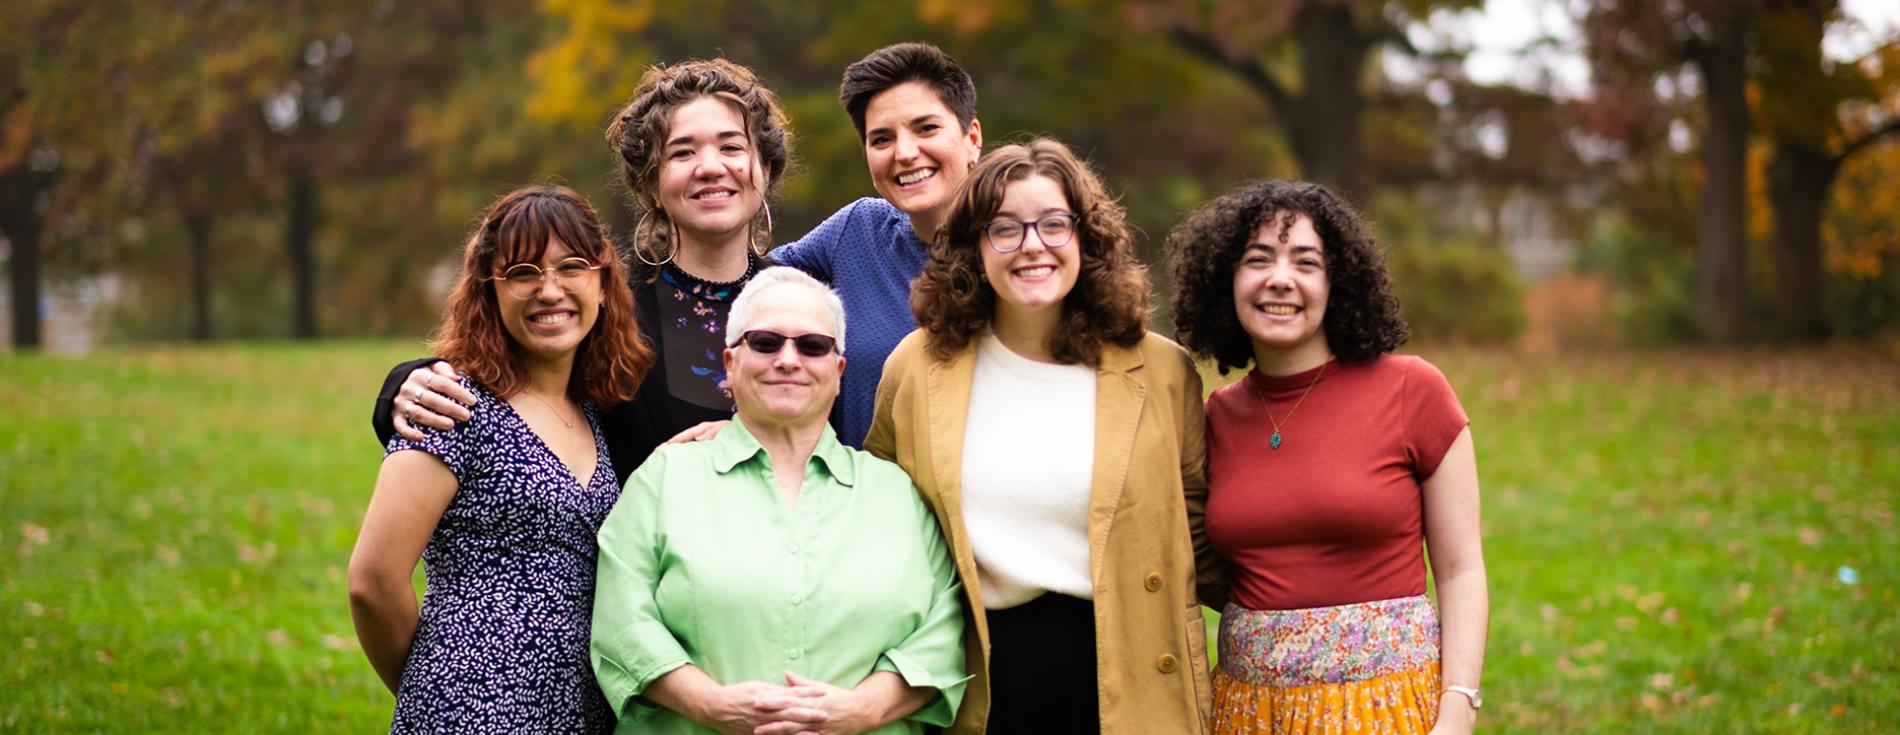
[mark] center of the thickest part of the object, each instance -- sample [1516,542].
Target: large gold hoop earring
[641,225]
[758,246]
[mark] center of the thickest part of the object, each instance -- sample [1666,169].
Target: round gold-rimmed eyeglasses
[523,279]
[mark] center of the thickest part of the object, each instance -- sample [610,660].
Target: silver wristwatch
[1477,700]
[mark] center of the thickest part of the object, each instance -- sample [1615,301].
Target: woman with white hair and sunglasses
[771,579]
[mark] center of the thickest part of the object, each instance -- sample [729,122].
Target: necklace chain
[563,419]
[1274,441]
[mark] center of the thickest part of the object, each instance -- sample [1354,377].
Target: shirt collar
[735,445]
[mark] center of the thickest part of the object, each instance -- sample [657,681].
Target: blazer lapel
[947,399]
[1119,397]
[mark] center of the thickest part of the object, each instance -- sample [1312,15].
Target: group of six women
[1089,500]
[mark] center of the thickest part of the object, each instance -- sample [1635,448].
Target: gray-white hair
[741,316]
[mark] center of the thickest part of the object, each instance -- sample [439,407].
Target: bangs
[523,233]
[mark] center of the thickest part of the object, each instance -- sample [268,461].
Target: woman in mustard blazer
[1060,445]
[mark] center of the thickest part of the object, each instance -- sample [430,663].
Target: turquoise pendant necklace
[1274,441]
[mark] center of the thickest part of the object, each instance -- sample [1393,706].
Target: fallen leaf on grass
[34,609]
[105,656]
[29,643]
[1661,680]
[337,642]
[168,556]
[1809,537]
[36,534]
[277,637]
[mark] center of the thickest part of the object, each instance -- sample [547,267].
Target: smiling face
[785,389]
[914,147]
[708,183]
[1280,290]
[549,324]
[1036,277]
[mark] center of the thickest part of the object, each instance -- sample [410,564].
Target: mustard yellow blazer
[1145,508]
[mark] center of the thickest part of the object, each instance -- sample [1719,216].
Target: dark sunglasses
[768,342]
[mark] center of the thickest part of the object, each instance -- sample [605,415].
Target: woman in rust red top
[1332,467]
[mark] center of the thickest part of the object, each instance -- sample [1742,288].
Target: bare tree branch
[1249,71]
[1872,136]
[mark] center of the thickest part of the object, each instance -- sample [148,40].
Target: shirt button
[1153,582]
[797,599]
[1167,663]
[792,548]
[793,653]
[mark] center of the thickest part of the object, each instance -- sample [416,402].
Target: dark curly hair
[898,63]
[639,130]
[1362,311]
[611,360]
[1109,303]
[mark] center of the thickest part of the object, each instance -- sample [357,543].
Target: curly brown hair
[1362,311]
[1109,303]
[610,361]
[639,130]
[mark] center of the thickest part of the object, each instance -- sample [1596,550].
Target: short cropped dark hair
[1362,310]
[907,62]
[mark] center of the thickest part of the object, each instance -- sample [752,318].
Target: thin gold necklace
[569,424]
[1274,442]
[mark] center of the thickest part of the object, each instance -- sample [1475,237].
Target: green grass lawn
[1665,536]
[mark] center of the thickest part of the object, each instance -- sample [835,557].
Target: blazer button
[1167,663]
[1153,582]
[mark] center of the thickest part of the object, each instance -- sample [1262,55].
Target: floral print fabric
[1368,667]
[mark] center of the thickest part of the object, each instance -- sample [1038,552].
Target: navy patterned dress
[502,644]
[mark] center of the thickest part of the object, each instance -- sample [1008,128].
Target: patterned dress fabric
[502,643]
[1369,667]
[693,313]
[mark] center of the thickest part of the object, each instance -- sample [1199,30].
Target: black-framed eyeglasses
[768,342]
[523,279]
[1007,235]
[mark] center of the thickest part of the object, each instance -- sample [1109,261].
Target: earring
[636,242]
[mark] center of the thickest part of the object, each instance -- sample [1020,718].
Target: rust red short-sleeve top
[1336,514]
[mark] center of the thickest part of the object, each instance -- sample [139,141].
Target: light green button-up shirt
[702,562]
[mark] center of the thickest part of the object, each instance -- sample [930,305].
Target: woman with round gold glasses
[504,507]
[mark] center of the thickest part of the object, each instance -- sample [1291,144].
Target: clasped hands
[800,707]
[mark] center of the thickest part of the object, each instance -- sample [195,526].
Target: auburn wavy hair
[639,130]
[1204,248]
[611,360]
[954,303]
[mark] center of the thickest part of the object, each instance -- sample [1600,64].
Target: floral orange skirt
[1370,667]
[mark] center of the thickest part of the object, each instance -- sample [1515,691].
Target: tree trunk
[198,228]
[1799,180]
[299,238]
[23,224]
[1326,126]
[1721,295]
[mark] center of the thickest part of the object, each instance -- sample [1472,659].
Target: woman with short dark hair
[1059,443]
[504,507]
[1333,467]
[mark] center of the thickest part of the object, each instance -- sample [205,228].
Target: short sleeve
[458,447]
[630,645]
[932,655]
[812,253]
[1435,417]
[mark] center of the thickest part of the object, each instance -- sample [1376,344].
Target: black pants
[1042,668]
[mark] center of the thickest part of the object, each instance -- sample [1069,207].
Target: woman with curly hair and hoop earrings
[505,506]
[1332,466]
[1059,443]
[699,149]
